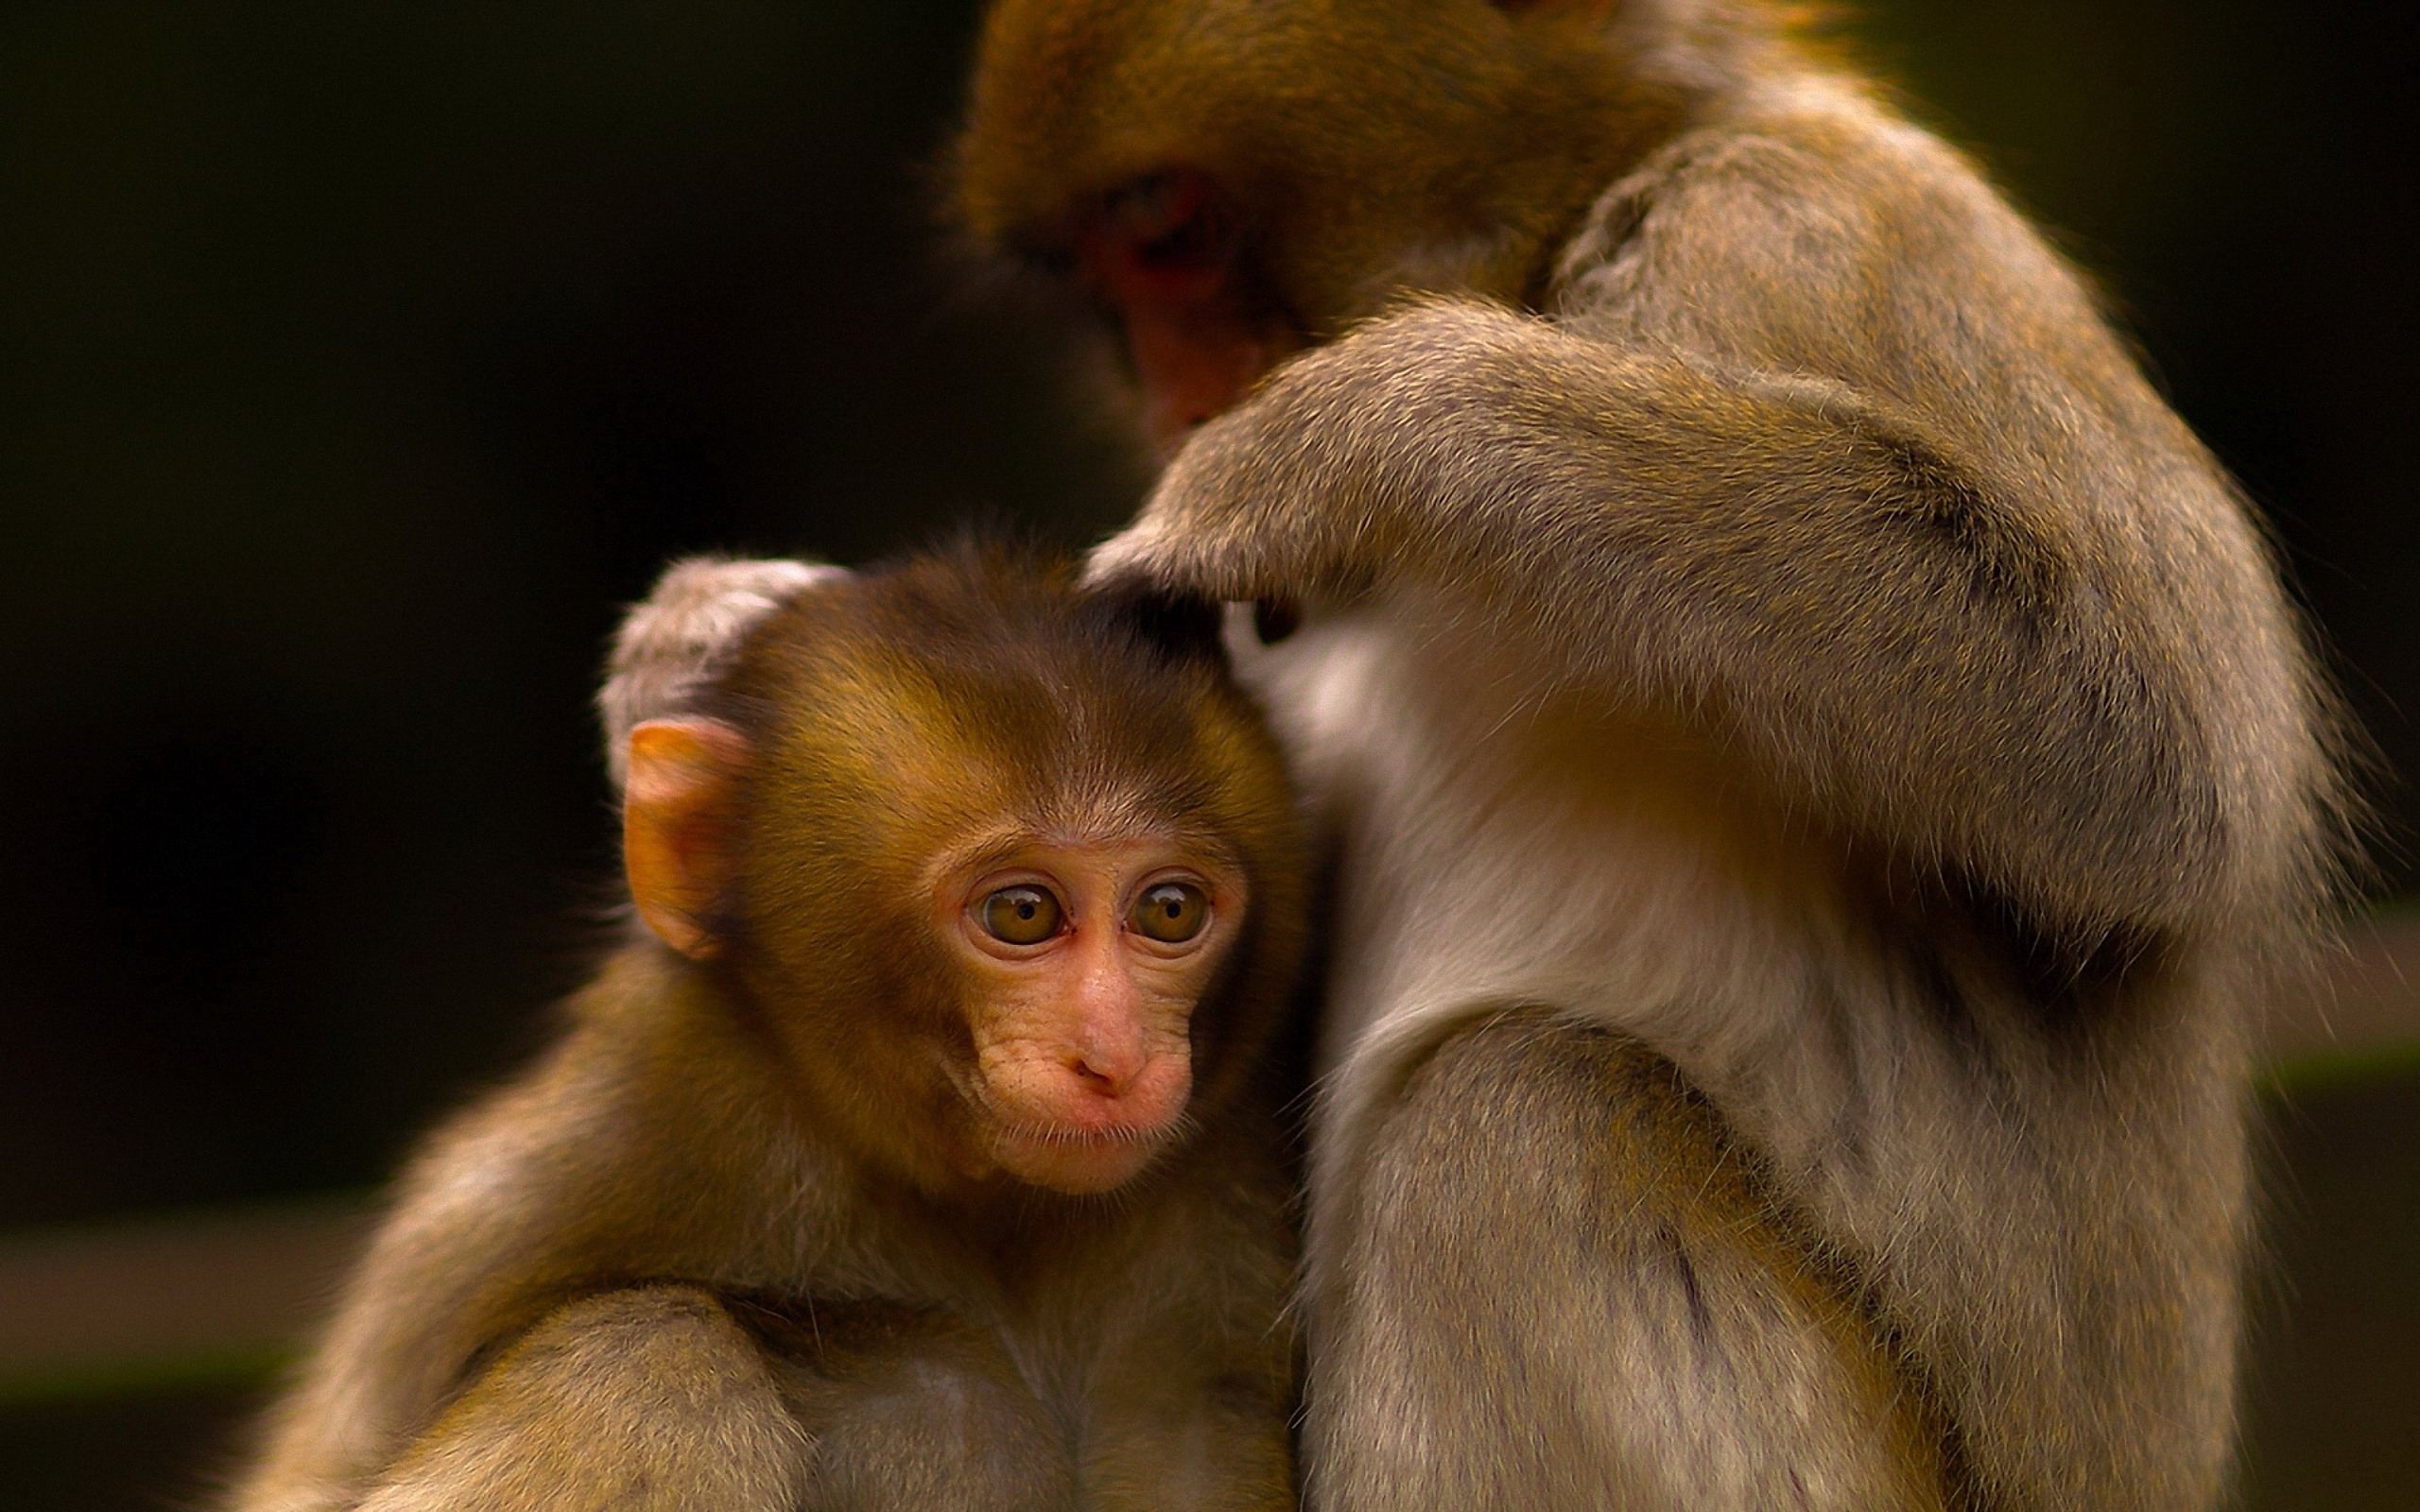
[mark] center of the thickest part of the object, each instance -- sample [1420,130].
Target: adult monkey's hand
[1337,472]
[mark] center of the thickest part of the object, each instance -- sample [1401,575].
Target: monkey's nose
[1109,1070]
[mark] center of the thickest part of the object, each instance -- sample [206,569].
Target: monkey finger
[1148,558]
[677,641]
[1224,565]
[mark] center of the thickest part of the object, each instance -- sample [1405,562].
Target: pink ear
[679,839]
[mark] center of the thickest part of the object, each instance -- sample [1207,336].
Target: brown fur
[704,1256]
[1693,451]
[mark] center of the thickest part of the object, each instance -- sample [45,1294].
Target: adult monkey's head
[1232,178]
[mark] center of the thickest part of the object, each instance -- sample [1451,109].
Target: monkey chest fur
[1499,844]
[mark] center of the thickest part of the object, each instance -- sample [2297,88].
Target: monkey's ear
[680,826]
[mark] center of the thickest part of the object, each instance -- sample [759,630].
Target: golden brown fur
[705,1255]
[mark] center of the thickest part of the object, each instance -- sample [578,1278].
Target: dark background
[358,360]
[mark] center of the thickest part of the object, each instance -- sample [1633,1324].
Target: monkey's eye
[1020,916]
[1169,219]
[1173,912]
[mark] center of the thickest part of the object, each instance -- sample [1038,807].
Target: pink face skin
[1083,1058]
[1161,253]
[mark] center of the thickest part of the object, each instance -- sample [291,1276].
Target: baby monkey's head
[1011,873]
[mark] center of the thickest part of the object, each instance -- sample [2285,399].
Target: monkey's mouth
[1079,1158]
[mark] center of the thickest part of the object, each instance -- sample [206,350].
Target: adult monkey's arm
[1894,513]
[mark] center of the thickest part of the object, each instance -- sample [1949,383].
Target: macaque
[924,1150]
[1818,763]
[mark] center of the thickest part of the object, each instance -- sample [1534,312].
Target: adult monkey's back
[1819,762]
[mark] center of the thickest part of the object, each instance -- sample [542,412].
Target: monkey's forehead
[912,744]
[1074,97]
[984,841]
[1074,702]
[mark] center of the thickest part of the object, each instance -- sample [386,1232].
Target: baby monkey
[926,1151]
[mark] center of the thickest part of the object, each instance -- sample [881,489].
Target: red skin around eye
[1161,258]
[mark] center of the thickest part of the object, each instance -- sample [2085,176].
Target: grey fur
[1809,650]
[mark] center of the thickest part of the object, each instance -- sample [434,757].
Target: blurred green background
[358,361]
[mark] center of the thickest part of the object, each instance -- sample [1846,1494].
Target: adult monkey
[1819,760]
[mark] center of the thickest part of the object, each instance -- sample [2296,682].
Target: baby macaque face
[1083,961]
[1010,877]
